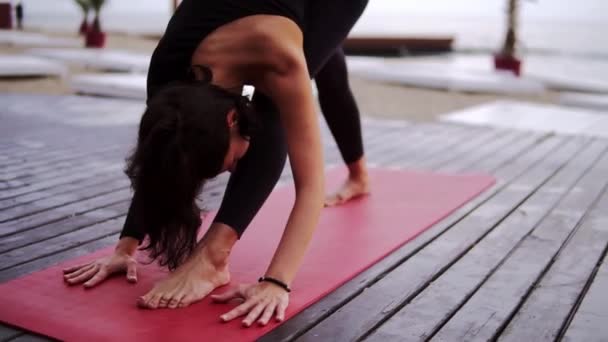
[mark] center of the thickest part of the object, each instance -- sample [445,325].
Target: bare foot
[189,283]
[353,187]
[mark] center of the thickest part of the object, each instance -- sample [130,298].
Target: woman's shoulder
[260,39]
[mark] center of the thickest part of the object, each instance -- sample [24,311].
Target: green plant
[97,5]
[84,5]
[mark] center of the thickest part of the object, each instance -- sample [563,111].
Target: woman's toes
[164,301]
[154,301]
[185,301]
[173,303]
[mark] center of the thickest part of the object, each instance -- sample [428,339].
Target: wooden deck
[525,261]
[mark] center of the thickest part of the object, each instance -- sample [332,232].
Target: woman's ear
[231,118]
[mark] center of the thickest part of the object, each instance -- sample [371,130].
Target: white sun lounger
[26,66]
[30,39]
[533,117]
[569,74]
[591,101]
[555,72]
[99,59]
[131,86]
[443,76]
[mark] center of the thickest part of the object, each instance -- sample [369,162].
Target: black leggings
[259,170]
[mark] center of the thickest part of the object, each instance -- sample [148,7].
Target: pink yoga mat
[348,240]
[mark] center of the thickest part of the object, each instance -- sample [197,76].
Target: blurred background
[559,26]
[563,46]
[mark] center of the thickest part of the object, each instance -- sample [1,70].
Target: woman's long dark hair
[183,139]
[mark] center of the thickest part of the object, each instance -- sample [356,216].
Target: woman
[197,125]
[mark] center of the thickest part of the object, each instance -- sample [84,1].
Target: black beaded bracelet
[276,282]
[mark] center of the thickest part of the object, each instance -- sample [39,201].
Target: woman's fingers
[268,312]
[100,276]
[238,311]
[227,296]
[132,272]
[74,268]
[69,276]
[85,275]
[281,307]
[254,313]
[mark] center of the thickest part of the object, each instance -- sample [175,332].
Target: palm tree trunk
[511,36]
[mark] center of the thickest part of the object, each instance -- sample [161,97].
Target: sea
[556,27]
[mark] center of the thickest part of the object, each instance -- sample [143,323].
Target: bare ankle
[217,244]
[357,170]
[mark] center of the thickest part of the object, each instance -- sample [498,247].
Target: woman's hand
[97,271]
[262,302]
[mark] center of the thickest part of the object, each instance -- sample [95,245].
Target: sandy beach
[375,99]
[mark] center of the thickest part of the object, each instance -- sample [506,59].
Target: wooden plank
[21,155]
[482,148]
[48,172]
[399,142]
[432,307]
[589,323]
[555,298]
[490,308]
[454,141]
[75,186]
[426,145]
[377,144]
[57,244]
[51,171]
[314,315]
[65,226]
[63,199]
[47,261]
[25,161]
[488,159]
[31,338]
[461,144]
[78,173]
[9,333]
[402,283]
[37,166]
[57,214]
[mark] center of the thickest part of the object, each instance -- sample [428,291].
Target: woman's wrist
[127,245]
[276,282]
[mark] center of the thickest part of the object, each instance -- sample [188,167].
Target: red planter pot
[6,17]
[84,28]
[508,63]
[95,39]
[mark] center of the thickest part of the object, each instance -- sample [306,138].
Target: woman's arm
[290,89]
[133,226]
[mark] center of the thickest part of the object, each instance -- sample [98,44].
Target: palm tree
[97,5]
[507,58]
[508,48]
[85,6]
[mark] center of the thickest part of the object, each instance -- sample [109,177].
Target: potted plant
[85,6]
[95,36]
[507,59]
